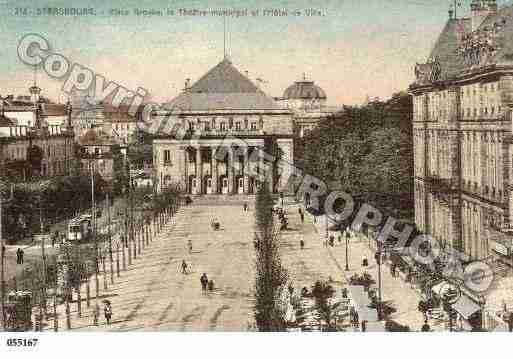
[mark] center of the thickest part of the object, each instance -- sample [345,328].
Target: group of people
[282,216]
[107,312]
[206,283]
[19,256]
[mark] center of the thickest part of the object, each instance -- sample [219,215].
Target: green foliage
[55,199]
[322,293]
[366,151]
[141,148]
[271,277]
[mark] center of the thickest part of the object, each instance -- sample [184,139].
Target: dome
[304,90]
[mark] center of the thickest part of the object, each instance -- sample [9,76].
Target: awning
[465,306]
[500,242]
[367,314]
[359,297]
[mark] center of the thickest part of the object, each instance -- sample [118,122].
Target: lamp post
[347,251]
[379,279]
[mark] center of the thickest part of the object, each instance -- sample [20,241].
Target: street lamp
[379,279]
[347,251]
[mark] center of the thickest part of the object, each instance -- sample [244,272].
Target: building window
[237,126]
[167,156]
[223,126]
[253,126]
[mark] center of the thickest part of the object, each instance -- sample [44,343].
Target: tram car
[80,228]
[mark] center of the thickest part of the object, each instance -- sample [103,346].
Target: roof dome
[304,90]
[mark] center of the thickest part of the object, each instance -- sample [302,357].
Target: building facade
[462,125]
[39,150]
[223,135]
[307,102]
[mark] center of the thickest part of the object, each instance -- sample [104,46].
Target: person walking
[18,256]
[204,282]
[184,267]
[245,207]
[426,327]
[22,253]
[302,244]
[365,261]
[107,311]
[302,215]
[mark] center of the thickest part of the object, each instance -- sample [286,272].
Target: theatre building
[215,133]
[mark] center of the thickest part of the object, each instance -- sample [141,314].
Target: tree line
[366,151]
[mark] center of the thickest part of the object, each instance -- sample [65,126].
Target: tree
[366,151]
[322,293]
[271,277]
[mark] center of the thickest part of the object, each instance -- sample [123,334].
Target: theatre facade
[223,135]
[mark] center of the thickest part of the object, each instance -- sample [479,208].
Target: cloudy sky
[358,48]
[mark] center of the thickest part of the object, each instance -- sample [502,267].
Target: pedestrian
[22,253]
[211,285]
[204,282]
[302,244]
[426,327]
[365,261]
[189,244]
[107,311]
[184,267]
[245,207]
[18,256]
[332,241]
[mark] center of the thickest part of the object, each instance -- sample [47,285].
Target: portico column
[261,177]
[229,168]
[186,170]
[214,170]
[246,170]
[199,170]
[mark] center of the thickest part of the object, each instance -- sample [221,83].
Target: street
[153,294]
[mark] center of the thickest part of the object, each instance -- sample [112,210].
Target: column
[229,168]
[245,170]
[186,170]
[261,177]
[215,188]
[199,171]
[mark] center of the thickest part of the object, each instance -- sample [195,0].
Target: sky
[357,48]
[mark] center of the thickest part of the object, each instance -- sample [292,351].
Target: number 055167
[22,342]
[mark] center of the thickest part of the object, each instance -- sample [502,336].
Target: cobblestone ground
[153,294]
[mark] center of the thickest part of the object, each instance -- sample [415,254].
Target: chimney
[480,9]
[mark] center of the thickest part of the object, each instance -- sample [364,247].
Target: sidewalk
[122,293]
[395,292]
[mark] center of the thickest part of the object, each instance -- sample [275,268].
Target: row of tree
[32,204]
[271,277]
[366,151]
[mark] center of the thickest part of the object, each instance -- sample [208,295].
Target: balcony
[226,132]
